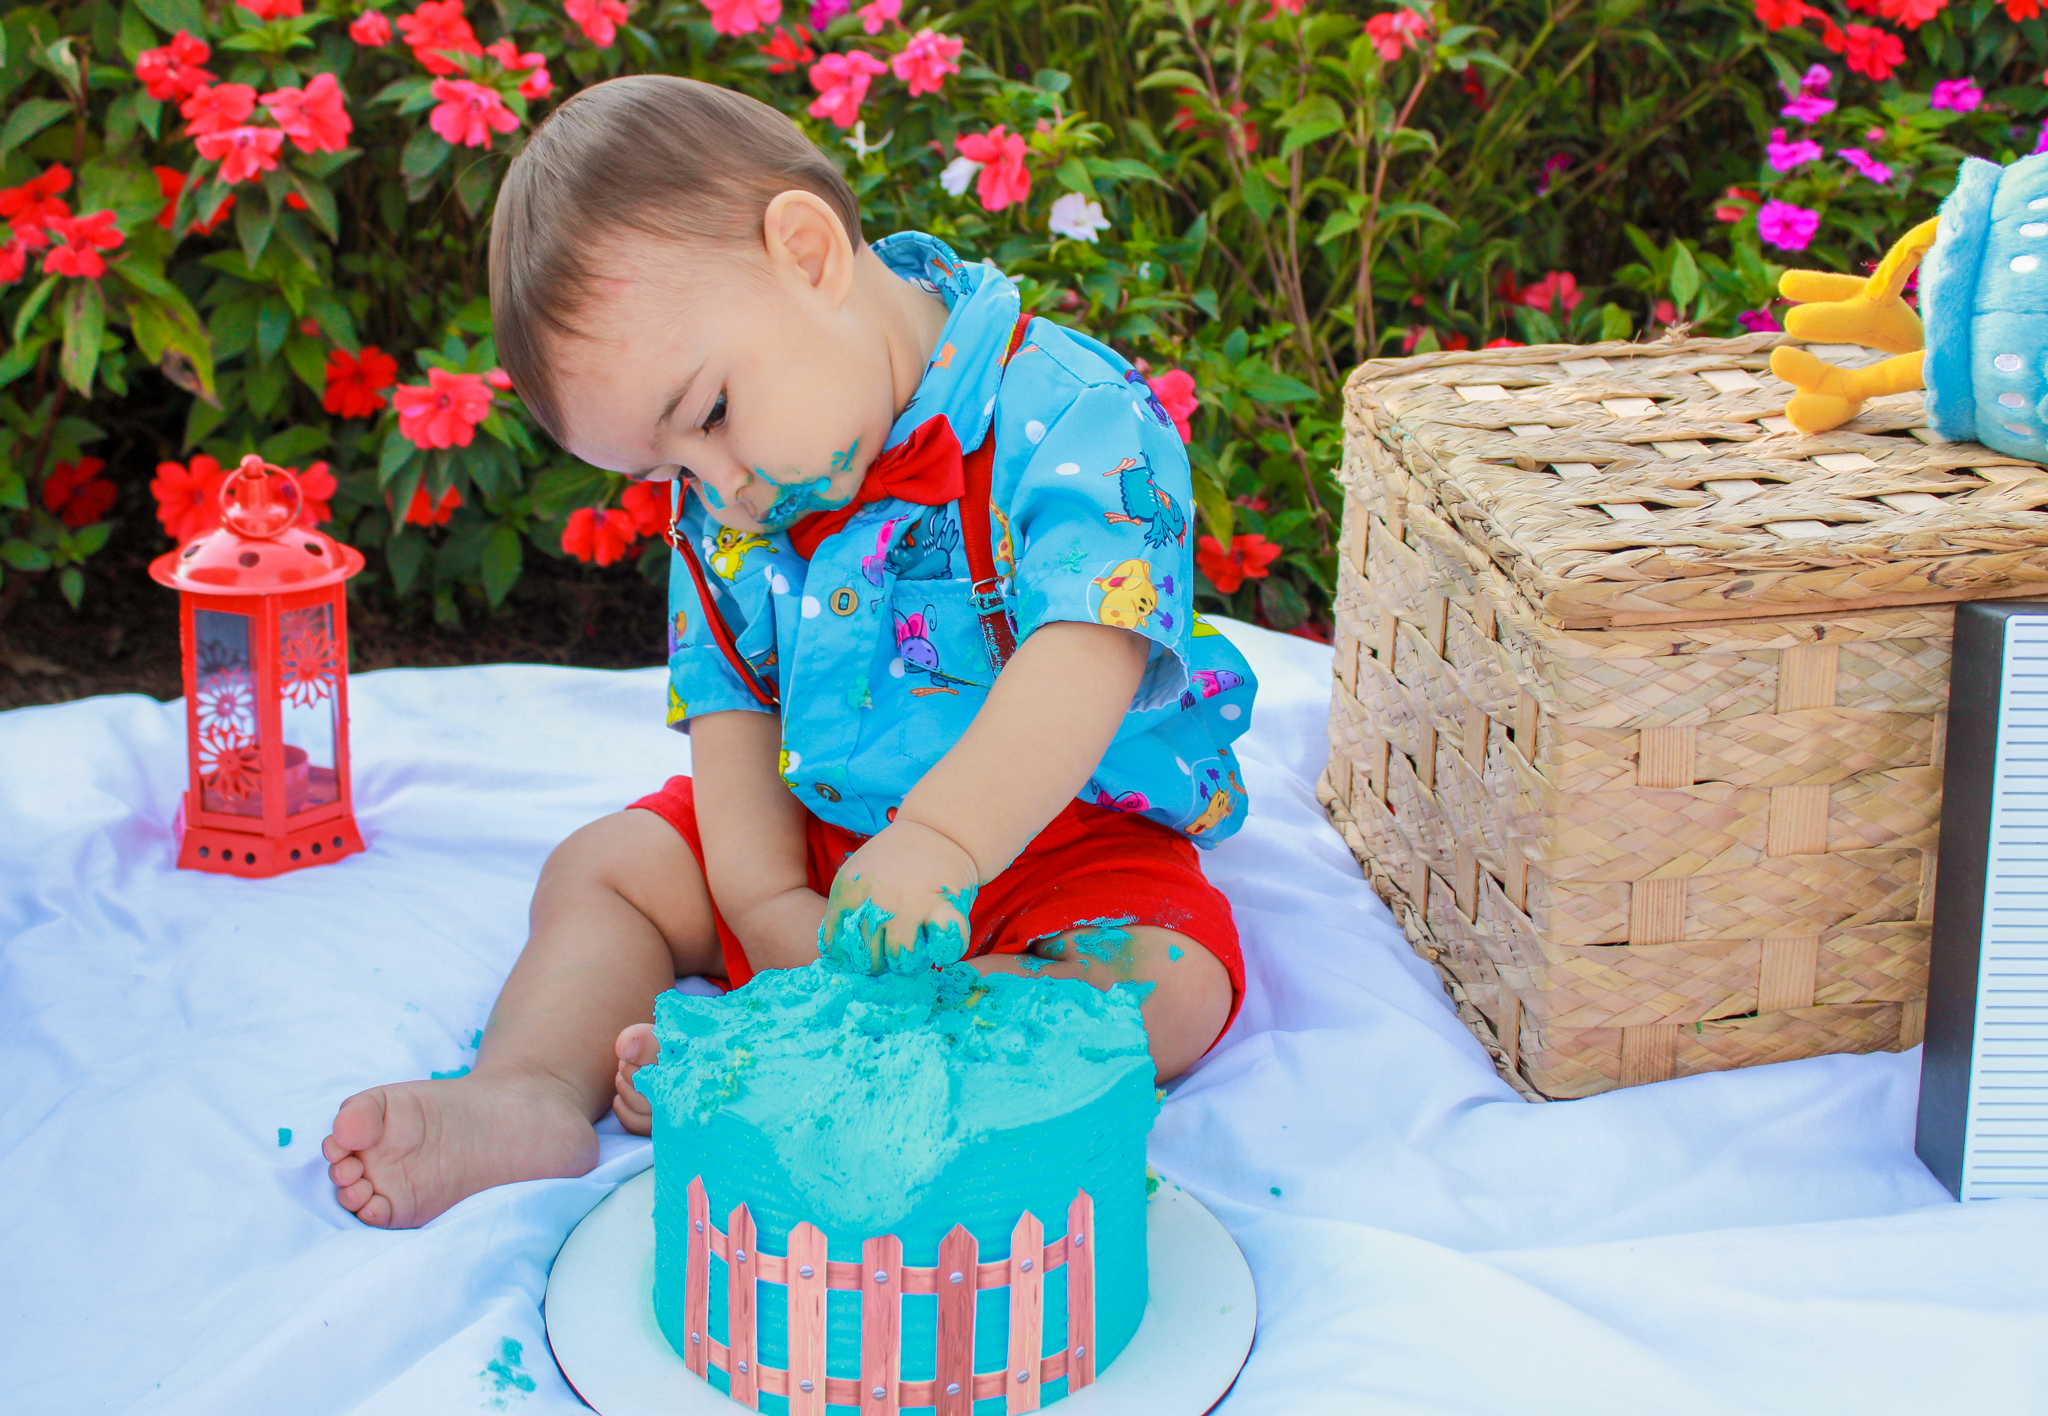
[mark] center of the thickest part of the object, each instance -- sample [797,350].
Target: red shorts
[1089,863]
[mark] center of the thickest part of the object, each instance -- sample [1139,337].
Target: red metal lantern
[264,630]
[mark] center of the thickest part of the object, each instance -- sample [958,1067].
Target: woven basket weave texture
[1639,705]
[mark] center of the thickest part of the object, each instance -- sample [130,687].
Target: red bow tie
[924,468]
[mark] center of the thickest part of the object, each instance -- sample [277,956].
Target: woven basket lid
[1618,484]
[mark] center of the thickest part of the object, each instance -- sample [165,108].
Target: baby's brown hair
[672,158]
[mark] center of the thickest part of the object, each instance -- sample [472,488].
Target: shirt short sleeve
[1100,522]
[701,676]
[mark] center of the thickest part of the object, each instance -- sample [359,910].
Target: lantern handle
[261,515]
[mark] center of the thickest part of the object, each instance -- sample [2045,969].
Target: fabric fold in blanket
[175,1045]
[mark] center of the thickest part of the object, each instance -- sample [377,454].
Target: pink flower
[1003,177]
[1866,164]
[1957,95]
[824,12]
[172,73]
[2041,143]
[598,19]
[1292,7]
[926,60]
[1560,287]
[1808,108]
[437,29]
[469,113]
[842,84]
[1784,156]
[1175,390]
[314,117]
[444,411]
[242,152]
[1758,321]
[217,109]
[370,29]
[877,15]
[1395,31]
[273,9]
[1552,165]
[742,16]
[537,83]
[80,240]
[1786,226]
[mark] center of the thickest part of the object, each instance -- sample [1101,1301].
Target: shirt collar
[960,382]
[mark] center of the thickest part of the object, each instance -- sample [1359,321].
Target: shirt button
[844,601]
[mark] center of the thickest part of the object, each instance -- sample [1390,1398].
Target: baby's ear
[804,238]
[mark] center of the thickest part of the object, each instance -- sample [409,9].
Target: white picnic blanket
[174,1045]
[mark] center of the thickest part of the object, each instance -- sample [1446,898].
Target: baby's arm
[753,834]
[1037,739]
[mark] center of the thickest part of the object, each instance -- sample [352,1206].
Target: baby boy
[929,631]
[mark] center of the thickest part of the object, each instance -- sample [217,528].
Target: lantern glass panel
[309,666]
[230,767]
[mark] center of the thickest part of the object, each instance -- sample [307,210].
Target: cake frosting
[904,1102]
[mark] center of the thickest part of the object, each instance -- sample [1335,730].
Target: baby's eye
[717,414]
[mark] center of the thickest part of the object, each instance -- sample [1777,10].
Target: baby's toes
[346,1171]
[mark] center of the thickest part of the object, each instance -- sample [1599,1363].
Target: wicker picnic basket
[1639,698]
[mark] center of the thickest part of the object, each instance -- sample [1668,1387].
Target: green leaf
[29,117]
[308,361]
[254,221]
[398,452]
[1420,211]
[1216,509]
[500,565]
[1685,275]
[473,188]
[170,16]
[24,555]
[85,320]
[13,490]
[87,540]
[333,317]
[1340,222]
[1073,175]
[200,420]
[33,306]
[319,203]
[405,553]
[72,583]
[273,323]
[560,490]
[294,446]
[1301,137]
[1259,199]
[424,155]
[1615,323]
[1269,385]
[20,358]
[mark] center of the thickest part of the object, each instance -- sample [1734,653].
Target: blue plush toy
[1982,352]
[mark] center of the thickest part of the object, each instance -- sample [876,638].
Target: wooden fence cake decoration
[883,1279]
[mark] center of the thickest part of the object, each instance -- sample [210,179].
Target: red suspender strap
[720,630]
[986,592]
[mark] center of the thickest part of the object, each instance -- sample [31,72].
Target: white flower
[959,172]
[1075,216]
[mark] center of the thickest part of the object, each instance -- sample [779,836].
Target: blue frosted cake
[900,1105]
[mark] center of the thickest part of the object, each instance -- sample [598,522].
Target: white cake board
[1196,1333]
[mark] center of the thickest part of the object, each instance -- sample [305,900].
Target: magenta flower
[1807,105]
[842,83]
[469,113]
[1866,164]
[926,60]
[1786,226]
[1552,165]
[824,12]
[1784,156]
[1957,95]
[1758,321]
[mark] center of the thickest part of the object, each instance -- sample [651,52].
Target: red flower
[927,60]
[242,152]
[370,29]
[598,19]
[2019,11]
[744,16]
[13,260]
[1243,132]
[172,73]
[1503,343]
[444,411]
[1557,288]
[1911,13]
[1175,390]
[314,118]
[469,113]
[422,511]
[1292,7]
[170,182]
[537,83]
[842,83]
[1782,14]
[786,52]
[316,488]
[217,109]
[647,504]
[596,535]
[1003,178]
[273,9]
[498,379]
[188,498]
[75,493]
[356,384]
[1868,50]
[1732,206]
[1248,557]
[29,207]
[82,238]
[435,30]
[1395,31]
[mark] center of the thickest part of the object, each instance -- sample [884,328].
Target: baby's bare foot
[637,1048]
[401,1154]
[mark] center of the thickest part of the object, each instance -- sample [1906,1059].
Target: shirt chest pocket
[937,639]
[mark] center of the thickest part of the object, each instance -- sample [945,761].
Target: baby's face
[746,379]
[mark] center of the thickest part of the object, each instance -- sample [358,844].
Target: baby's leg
[620,911]
[1190,997]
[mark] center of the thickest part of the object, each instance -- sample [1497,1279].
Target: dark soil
[124,636]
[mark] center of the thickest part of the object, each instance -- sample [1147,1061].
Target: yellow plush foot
[1823,400]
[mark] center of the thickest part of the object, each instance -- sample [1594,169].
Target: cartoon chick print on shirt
[730,551]
[1128,595]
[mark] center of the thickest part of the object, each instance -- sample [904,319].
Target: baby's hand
[900,903]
